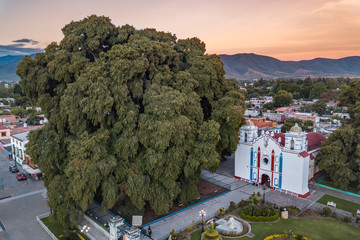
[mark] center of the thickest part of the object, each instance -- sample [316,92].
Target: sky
[284,29]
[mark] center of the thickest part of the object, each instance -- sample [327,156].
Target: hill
[249,66]
[8,68]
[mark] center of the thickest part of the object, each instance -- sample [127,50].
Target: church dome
[249,123]
[296,128]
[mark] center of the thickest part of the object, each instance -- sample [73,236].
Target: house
[275,117]
[261,122]
[18,142]
[4,132]
[282,161]
[305,116]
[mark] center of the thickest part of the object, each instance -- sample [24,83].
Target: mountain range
[247,66]
[8,67]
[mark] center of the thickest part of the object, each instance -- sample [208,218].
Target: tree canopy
[340,154]
[283,98]
[134,115]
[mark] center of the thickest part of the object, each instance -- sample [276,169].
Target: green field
[316,229]
[340,203]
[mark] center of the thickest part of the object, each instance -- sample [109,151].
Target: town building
[304,117]
[261,122]
[18,142]
[282,161]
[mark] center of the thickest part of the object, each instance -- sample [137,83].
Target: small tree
[326,211]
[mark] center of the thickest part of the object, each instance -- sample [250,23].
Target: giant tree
[340,155]
[134,115]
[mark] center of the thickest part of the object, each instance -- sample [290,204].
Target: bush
[334,214]
[232,206]
[242,203]
[326,211]
[174,235]
[347,219]
[221,211]
[259,218]
[293,210]
[188,229]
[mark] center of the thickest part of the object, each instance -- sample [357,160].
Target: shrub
[221,211]
[174,235]
[326,211]
[188,229]
[347,219]
[259,218]
[232,206]
[202,222]
[334,214]
[258,197]
[354,214]
[242,203]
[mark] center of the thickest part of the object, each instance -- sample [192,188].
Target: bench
[358,212]
[331,204]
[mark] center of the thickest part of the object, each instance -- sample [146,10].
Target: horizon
[288,31]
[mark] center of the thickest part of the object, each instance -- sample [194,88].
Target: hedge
[259,218]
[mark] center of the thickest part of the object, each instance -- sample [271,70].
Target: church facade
[282,161]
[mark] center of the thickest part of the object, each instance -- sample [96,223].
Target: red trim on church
[304,195]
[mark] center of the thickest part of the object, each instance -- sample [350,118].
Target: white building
[18,142]
[282,161]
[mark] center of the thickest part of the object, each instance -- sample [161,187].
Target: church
[282,161]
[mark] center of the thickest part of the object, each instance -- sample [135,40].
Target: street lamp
[85,229]
[202,214]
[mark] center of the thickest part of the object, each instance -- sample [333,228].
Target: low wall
[38,218]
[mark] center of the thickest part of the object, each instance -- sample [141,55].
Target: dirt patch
[309,213]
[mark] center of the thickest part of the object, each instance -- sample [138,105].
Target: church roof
[282,135]
[314,140]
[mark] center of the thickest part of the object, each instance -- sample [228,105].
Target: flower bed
[259,218]
[282,236]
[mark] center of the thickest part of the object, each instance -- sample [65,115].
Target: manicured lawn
[325,180]
[56,228]
[316,229]
[340,203]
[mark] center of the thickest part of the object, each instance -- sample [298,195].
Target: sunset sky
[285,29]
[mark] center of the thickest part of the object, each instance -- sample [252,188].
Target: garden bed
[206,191]
[58,230]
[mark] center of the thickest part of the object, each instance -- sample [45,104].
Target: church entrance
[265,180]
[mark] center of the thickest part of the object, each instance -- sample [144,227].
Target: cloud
[26,40]
[18,49]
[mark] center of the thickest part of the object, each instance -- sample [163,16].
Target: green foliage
[283,98]
[133,114]
[307,126]
[259,218]
[334,214]
[326,211]
[174,235]
[232,206]
[221,211]
[347,219]
[317,90]
[319,107]
[18,111]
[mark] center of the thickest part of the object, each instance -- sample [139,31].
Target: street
[20,203]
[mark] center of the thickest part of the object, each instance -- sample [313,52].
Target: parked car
[20,176]
[13,169]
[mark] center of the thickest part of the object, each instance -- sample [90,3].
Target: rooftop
[21,136]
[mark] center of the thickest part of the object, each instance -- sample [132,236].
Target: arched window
[292,144]
[276,169]
[276,182]
[254,176]
[245,137]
